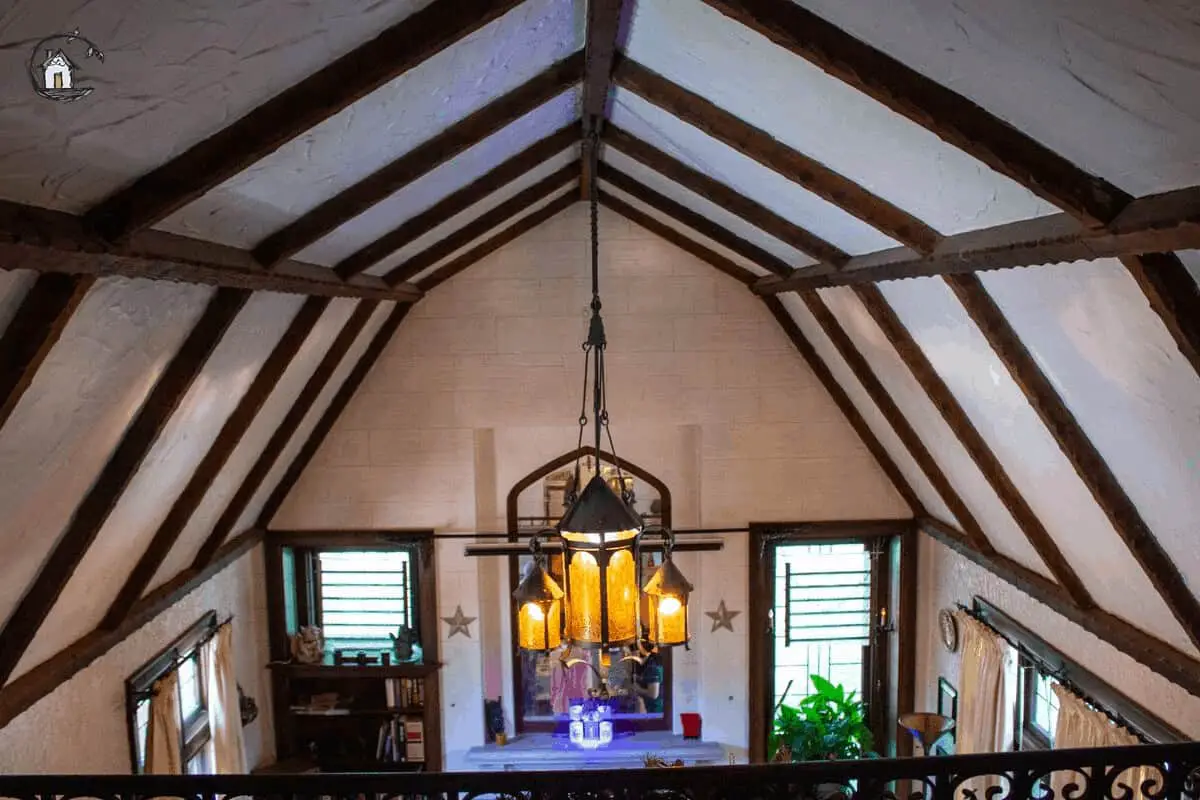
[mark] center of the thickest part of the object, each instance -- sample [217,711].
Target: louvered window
[822,616]
[364,596]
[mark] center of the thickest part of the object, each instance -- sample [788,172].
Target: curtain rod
[178,659]
[527,534]
[1059,675]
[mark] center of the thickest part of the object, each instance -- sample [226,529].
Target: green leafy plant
[829,724]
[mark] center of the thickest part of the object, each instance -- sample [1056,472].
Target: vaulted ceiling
[293,176]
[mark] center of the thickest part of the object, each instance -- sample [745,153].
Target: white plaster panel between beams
[444,180]
[1191,260]
[1011,428]
[538,206]
[931,429]
[74,413]
[320,405]
[678,227]
[741,71]
[876,422]
[265,423]
[174,73]
[947,578]
[82,726]
[164,473]
[1121,375]
[14,285]
[721,162]
[468,215]
[384,125]
[706,208]
[1107,84]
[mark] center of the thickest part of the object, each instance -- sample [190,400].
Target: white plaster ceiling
[1122,376]
[14,285]
[1108,84]
[164,473]
[696,149]
[1191,260]
[925,419]
[705,208]
[265,423]
[174,73]
[875,420]
[467,215]
[767,86]
[384,125]
[997,407]
[531,209]
[83,396]
[690,233]
[444,180]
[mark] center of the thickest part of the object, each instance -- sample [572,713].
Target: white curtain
[164,739]
[224,714]
[982,715]
[1082,726]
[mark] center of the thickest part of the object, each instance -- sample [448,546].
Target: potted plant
[828,725]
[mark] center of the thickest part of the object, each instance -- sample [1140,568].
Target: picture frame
[947,706]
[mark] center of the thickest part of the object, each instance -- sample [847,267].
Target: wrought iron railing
[1159,772]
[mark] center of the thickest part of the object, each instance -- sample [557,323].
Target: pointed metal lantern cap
[669,581]
[538,587]
[598,509]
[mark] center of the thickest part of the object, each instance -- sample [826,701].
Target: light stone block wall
[482,384]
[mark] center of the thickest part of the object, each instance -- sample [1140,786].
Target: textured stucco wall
[81,727]
[947,578]
[481,385]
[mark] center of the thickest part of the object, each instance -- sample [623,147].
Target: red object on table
[691,725]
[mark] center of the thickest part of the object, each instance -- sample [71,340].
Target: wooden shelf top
[296,670]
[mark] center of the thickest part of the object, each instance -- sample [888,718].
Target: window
[364,596]
[183,659]
[1038,707]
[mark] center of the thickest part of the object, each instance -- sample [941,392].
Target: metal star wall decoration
[458,623]
[722,617]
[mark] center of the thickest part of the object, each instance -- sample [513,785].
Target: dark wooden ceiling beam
[485,222]
[214,460]
[844,403]
[969,437]
[1173,294]
[523,225]
[946,114]
[459,201]
[1151,224]
[53,242]
[697,222]
[680,240]
[284,432]
[337,405]
[1174,665]
[895,418]
[752,212]
[1079,450]
[605,35]
[774,154]
[96,506]
[33,332]
[158,194]
[425,157]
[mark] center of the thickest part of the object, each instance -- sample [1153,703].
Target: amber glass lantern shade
[539,611]
[600,538]
[667,592]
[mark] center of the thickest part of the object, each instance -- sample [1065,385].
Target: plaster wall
[81,727]
[947,578]
[61,433]
[14,285]
[265,423]
[164,473]
[480,386]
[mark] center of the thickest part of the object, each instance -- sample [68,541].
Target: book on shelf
[414,740]
[404,693]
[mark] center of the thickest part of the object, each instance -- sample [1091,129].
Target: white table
[543,751]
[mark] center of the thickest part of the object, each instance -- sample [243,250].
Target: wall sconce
[885,624]
[247,707]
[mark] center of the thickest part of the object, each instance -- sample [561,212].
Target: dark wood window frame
[1037,655]
[139,687]
[897,542]
[514,533]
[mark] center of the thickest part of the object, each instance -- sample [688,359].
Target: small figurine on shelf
[493,713]
[308,646]
[405,645]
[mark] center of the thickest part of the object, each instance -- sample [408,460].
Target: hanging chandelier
[600,606]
